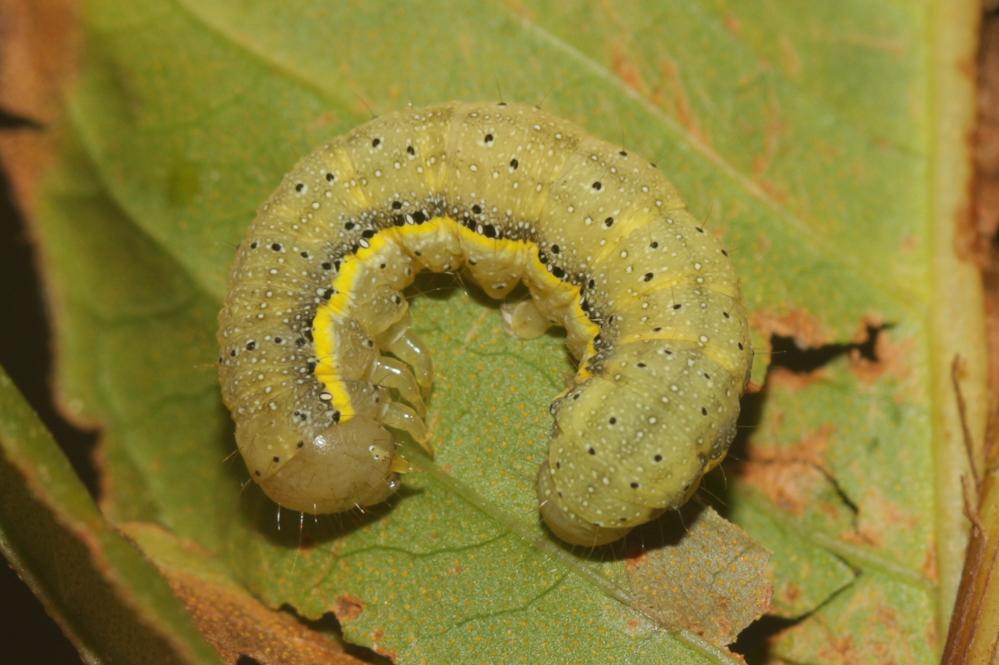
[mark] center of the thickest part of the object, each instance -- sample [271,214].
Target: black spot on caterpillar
[509,194]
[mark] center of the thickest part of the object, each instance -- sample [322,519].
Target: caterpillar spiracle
[318,363]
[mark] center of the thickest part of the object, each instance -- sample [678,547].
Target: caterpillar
[319,365]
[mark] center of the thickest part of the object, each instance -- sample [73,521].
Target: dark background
[27,633]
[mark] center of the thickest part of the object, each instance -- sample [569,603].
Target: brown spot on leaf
[772,190]
[840,649]
[239,625]
[933,636]
[32,77]
[763,243]
[802,326]
[877,514]
[930,569]
[790,593]
[377,635]
[627,69]
[772,133]
[879,631]
[784,378]
[324,119]
[789,475]
[789,57]
[676,97]
[986,143]
[891,359]
[636,561]
[233,621]
[348,607]
[865,538]
[986,187]
[714,581]
[388,653]
[31,71]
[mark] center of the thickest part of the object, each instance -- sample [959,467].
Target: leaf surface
[75,561]
[805,134]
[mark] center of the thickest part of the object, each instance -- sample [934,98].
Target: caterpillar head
[607,472]
[340,467]
[565,524]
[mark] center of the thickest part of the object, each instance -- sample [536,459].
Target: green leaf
[104,594]
[813,136]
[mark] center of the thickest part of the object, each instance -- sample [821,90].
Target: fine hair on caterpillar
[321,369]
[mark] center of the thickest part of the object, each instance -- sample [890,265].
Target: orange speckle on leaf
[376,636]
[772,190]
[840,649]
[763,243]
[324,119]
[929,567]
[789,56]
[909,244]
[791,593]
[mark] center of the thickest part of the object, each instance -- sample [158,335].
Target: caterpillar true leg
[408,347]
[399,416]
[524,320]
[392,373]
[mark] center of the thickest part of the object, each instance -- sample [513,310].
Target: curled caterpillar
[318,363]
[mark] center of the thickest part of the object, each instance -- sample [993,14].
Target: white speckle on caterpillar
[508,194]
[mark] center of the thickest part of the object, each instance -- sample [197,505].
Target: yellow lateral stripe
[490,244]
[584,372]
[322,326]
[550,280]
[338,306]
[626,224]
[725,287]
[708,350]
[428,227]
